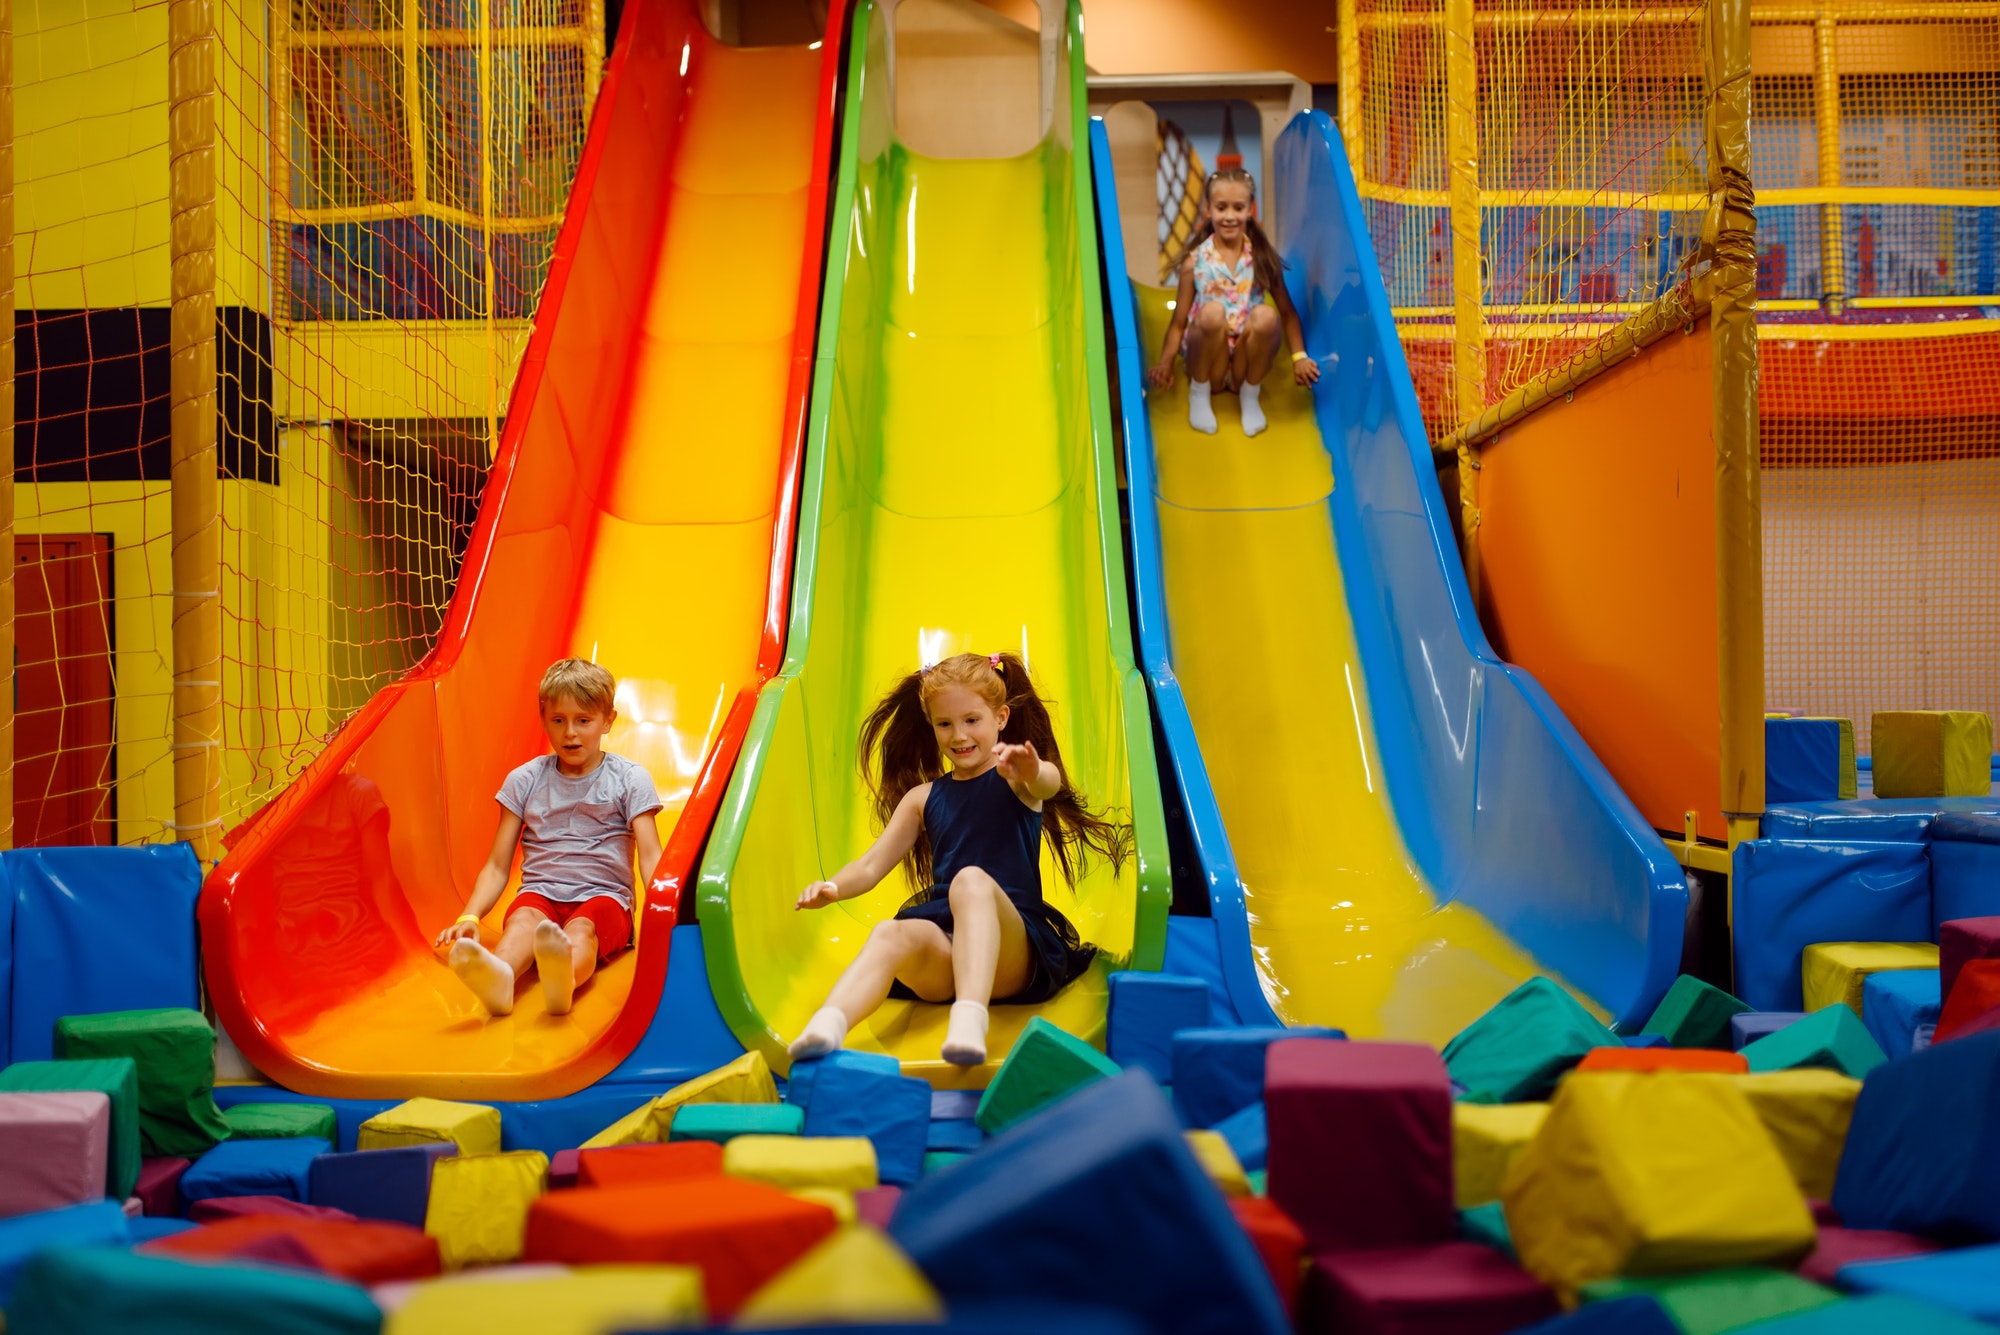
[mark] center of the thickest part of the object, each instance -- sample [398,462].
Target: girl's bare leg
[490,974]
[1256,349]
[1206,344]
[917,952]
[989,954]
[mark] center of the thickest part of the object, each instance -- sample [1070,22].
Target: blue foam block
[963,1137]
[799,1083]
[1647,1040]
[1895,1003]
[1746,1027]
[893,1111]
[99,929]
[955,1105]
[1195,951]
[1965,867]
[145,1228]
[1789,895]
[1801,759]
[25,1234]
[1220,1071]
[1147,1010]
[1634,1314]
[392,1184]
[1966,1281]
[1094,1200]
[1869,1316]
[1248,1135]
[1923,1148]
[255,1168]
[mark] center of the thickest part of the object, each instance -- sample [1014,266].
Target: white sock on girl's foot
[485,974]
[552,962]
[826,1031]
[1201,413]
[965,1039]
[1253,411]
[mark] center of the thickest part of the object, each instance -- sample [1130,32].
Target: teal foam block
[1694,1014]
[1966,1281]
[723,1122]
[1832,1037]
[117,1078]
[1044,1064]
[1517,1051]
[110,1291]
[1147,1010]
[1487,1225]
[26,1236]
[1881,1315]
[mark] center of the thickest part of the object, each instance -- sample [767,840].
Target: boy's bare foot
[552,962]
[825,1032]
[965,1037]
[485,974]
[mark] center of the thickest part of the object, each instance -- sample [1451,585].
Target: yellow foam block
[854,1275]
[1640,1173]
[833,1198]
[1219,1162]
[473,1127]
[1807,1112]
[745,1080]
[1834,971]
[791,1163]
[1932,753]
[479,1205]
[588,1300]
[1486,1138]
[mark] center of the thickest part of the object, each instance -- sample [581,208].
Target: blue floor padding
[1787,895]
[25,1234]
[99,929]
[1872,819]
[1895,1003]
[1966,1281]
[687,1036]
[1923,1147]
[1965,867]
[1194,951]
[254,1168]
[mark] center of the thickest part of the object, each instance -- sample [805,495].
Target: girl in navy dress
[967,783]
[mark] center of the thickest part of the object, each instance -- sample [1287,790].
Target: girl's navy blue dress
[980,823]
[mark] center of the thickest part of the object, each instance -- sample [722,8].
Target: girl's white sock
[965,1039]
[1201,413]
[1253,411]
[824,1033]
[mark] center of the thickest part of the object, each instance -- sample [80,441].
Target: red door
[63,692]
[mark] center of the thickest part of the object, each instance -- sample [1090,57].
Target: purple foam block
[562,1169]
[159,1188]
[1461,1287]
[1838,1246]
[1961,941]
[218,1208]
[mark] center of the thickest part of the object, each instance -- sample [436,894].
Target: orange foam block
[1280,1244]
[1664,1059]
[627,1165]
[739,1233]
[367,1251]
[1974,992]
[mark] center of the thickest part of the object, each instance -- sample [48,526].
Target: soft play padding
[1903,820]
[877,1205]
[174,1049]
[1720,1300]
[1962,940]
[1487,1225]
[1836,971]
[799,1081]
[746,1080]
[378,1184]
[963,1137]
[854,1275]
[1966,1281]
[1636,1314]
[1875,1315]
[1787,895]
[1459,1287]
[1361,1142]
[479,1205]
[1637,1174]
[1832,1037]
[1898,1002]
[67,903]
[563,1168]
[1839,1246]
[1248,1135]
[1099,1202]
[215,1209]
[1805,759]
[1044,1064]
[584,1299]
[1516,1051]
[1923,1149]
[1975,992]
[52,1150]
[627,1165]
[159,1186]
[1694,1014]
[893,1111]
[1965,867]
[23,1236]
[723,1122]
[791,1162]
[739,1233]
[1705,1060]
[111,1291]
[1486,1138]
[117,1078]
[1932,753]
[1218,1161]
[1218,1072]
[1807,1112]
[281,1121]
[1280,1242]
[1147,1010]
[1750,1026]
[473,1127]
[255,1168]
[365,1251]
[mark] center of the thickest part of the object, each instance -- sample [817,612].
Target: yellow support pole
[1462,165]
[7,414]
[1349,38]
[1826,131]
[197,521]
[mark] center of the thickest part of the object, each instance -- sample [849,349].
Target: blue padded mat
[1965,867]
[1965,1281]
[1876,819]
[1895,1002]
[1791,894]
[26,1234]
[255,1168]
[1923,1148]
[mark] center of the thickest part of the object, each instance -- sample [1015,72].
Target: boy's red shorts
[612,920]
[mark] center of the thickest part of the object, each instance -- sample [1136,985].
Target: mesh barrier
[389,178]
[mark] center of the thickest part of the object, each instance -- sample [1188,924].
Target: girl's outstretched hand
[818,895]
[1161,373]
[1305,371]
[1018,763]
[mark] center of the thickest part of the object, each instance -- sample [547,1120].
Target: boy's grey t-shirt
[576,833]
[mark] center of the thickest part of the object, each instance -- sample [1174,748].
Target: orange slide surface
[641,512]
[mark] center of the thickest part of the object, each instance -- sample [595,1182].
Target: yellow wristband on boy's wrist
[1300,356]
[467,917]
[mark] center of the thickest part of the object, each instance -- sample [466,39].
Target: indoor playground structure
[1557,750]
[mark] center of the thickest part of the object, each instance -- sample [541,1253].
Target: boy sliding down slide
[577,815]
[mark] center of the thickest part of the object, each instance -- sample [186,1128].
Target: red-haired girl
[1230,337]
[968,783]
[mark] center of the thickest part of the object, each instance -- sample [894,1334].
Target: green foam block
[117,1078]
[280,1121]
[1694,1014]
[1873,1315]
[1719,1300]
[1832,1036]
[1517,1051]
[1487,1225]
[113,1291]
[723,1122]
[1045,1064]
[175,1052]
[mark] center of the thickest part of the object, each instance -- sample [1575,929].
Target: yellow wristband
[467,917]
[1300,356]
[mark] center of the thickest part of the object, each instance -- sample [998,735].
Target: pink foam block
[52,1149]
[1360,1142]
[1838,1246]
[562,1169]
[1461,1287]
[159,1189]
[1961,941]
[877,1205]
[218,1208]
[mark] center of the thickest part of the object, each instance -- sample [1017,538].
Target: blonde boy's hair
[579,680]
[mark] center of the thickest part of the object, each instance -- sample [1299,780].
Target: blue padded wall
[1791,894]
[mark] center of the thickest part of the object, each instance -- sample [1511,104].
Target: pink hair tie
[994,659]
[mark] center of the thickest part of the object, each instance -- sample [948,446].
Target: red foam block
[1705,1060]
[626,1165]
[367,1251]
[1838,1246]
[1961,941]
[218,1208]
[1458,1287]
[1976,991]
[159,1188]
[1280,1243]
